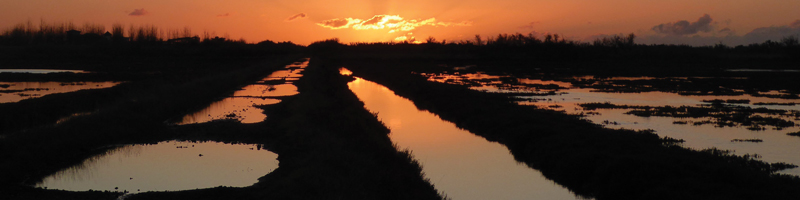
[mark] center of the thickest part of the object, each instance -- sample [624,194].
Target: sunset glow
[302,22]
[393,23]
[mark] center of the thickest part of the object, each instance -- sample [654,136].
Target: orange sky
[257,20]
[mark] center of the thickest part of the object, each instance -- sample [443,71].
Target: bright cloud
[393,23]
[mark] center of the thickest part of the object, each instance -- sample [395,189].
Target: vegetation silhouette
[329,145]
[588,159]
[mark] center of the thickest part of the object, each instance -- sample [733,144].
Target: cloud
[393,23]
[224,15]
[409,37]
[297,16]
[773,33]
[726,36]
[530,25]
[139,12]
[335,23]
[683,27]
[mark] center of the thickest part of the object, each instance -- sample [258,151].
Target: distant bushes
[55,33]
[68,33]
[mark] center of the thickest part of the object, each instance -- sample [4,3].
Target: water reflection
[239,108]
[171,165]
[460,164]
[776,145]
[17,91]
[242,104]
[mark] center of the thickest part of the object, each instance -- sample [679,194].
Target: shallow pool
[167,166]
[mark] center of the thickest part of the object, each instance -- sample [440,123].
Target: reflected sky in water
[776,145]
[16,91]
[242,104]
[457,162]
[239,108]
[170,165]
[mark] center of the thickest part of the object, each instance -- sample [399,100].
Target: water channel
[182,165]
[774,144]
[241,106]
[459,164]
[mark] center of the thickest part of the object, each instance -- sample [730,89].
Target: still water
[241,106]
[776,145]
[458,163]
[16,91]
[170,165]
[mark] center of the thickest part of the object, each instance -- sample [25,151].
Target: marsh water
[774,144]
[17,91]
[167,166]
[242,105]
[458,163]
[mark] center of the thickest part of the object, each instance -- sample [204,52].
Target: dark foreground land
[329,146]
[588,159]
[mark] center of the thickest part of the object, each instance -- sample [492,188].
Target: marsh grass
[584,157]
[724,115]
[56,33]
[330,147]
[132,113]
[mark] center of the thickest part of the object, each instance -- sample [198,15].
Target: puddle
[242,104]
[17,91]
[775,145]
[239,108]
[457,162]
[263,90]
[41,71]
[167,166]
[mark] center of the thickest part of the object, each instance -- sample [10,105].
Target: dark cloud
[530,25]
[335,23]
[297,16]
[224,15]
[139,12]
[727,36]
[694,40]
[683,27]
[773,33]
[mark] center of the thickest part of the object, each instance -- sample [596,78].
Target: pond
[458,163]
[768,141]
[17,91]
[167,166]
[242,105]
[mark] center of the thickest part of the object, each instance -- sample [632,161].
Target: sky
[693,22]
